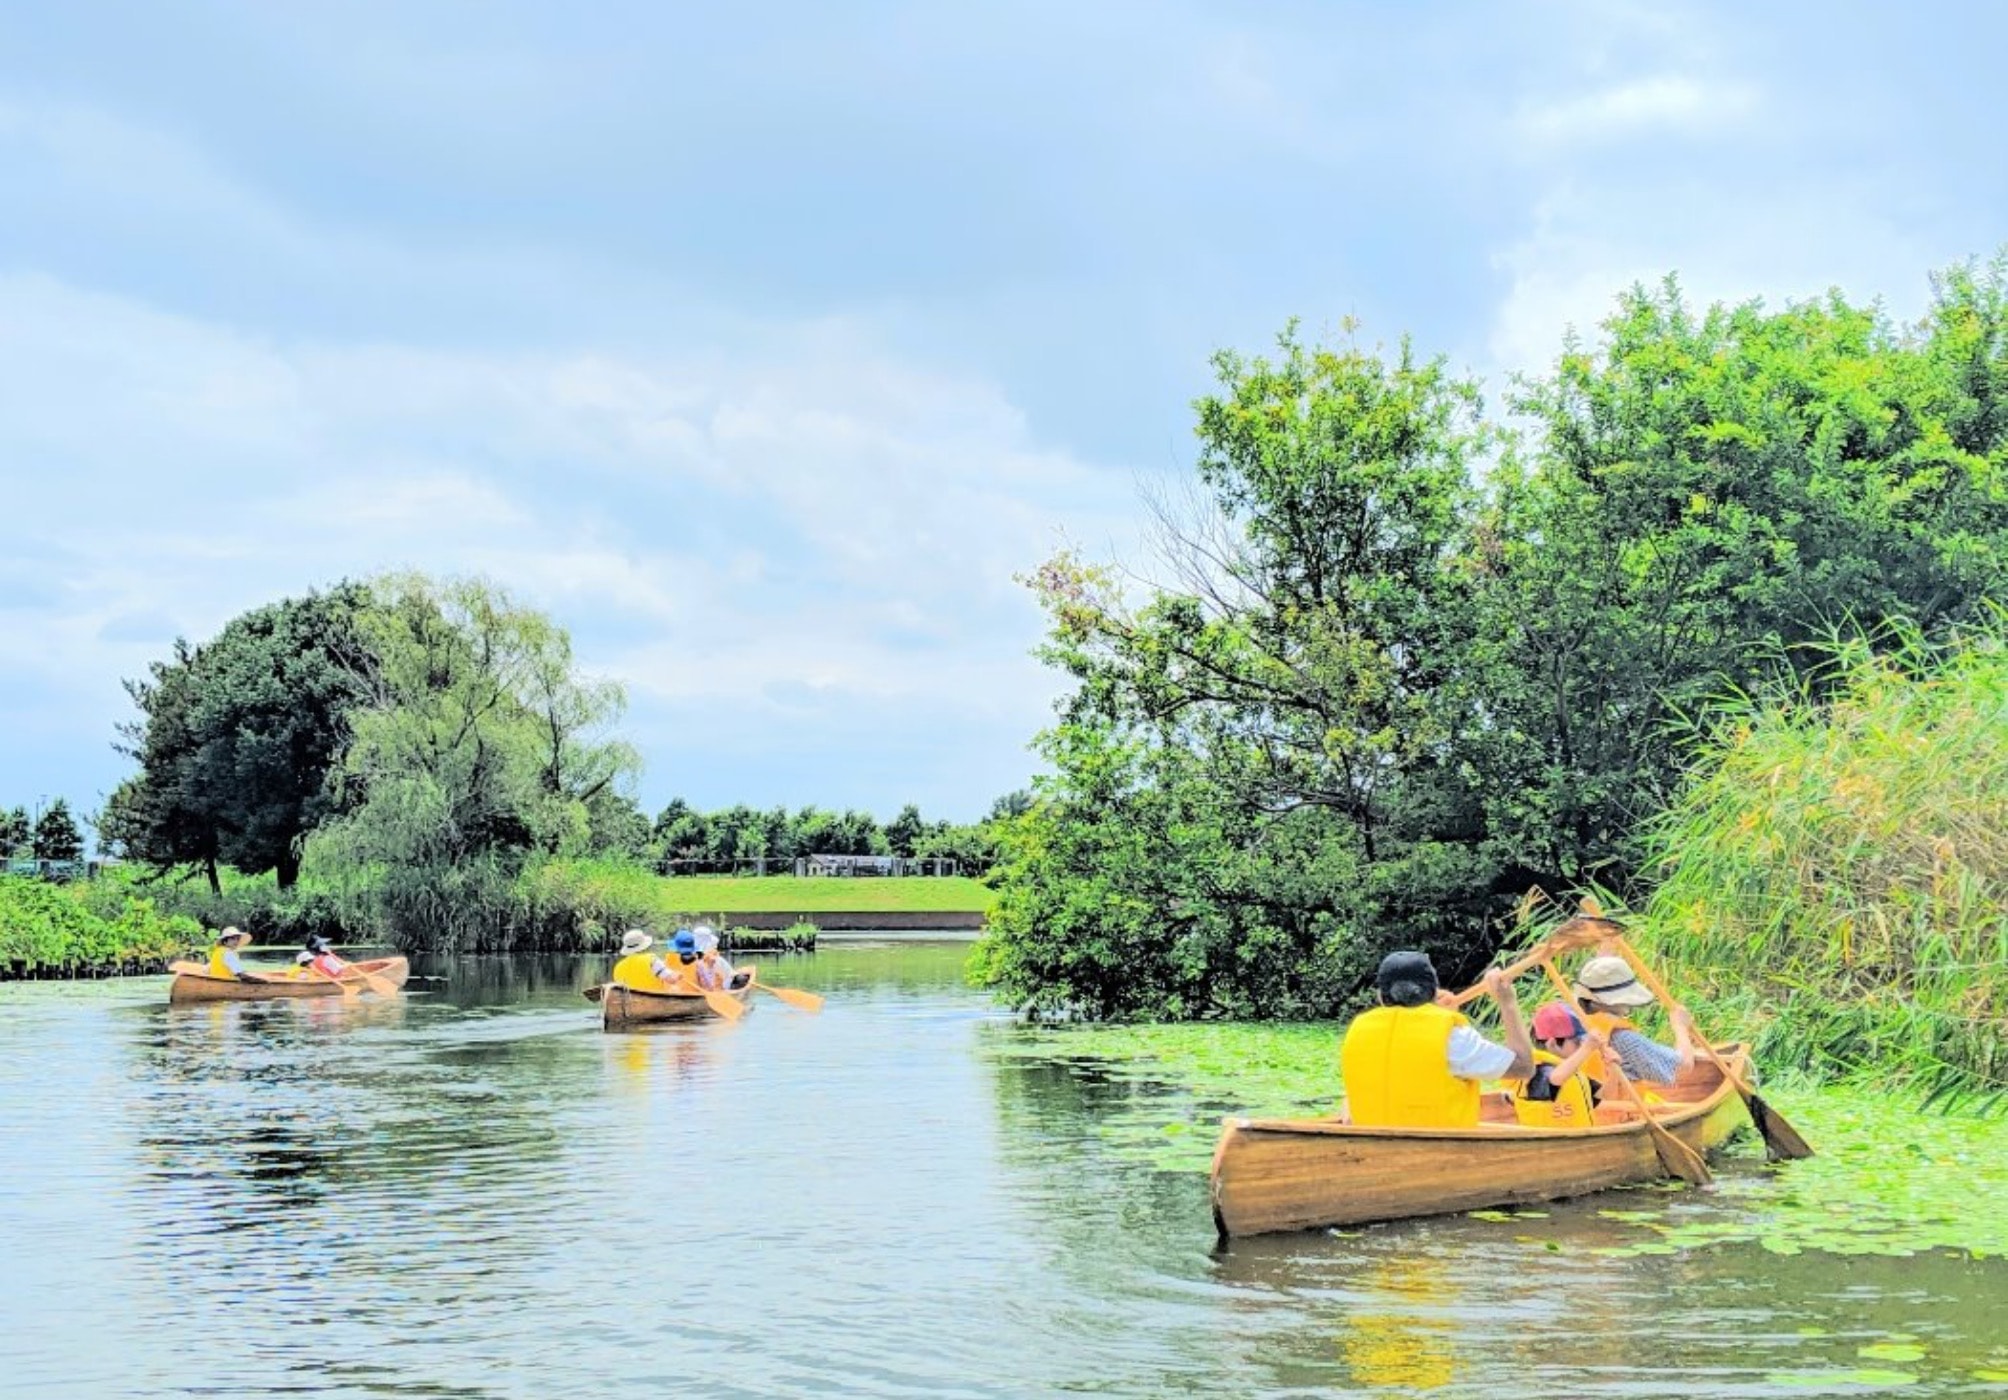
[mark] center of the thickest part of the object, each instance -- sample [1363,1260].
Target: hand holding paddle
[1781,1139]
[1676,1156]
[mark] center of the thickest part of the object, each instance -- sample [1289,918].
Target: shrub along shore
[124,921]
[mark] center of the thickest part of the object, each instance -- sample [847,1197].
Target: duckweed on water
[1887,1180]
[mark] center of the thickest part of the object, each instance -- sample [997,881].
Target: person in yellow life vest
[1559,1093]
[1608,989]
[1414,1062]
[640,969]
[683,972]
[225,957]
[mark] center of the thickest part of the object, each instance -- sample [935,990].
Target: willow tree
[478,744]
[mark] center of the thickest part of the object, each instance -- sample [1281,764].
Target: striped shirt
[1645,1060]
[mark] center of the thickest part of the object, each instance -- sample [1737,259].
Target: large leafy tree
[1380,692]
[237,738]
[1709,498]
[1250,751]
[475,744]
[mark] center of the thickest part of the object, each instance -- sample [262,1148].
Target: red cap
[1556,1022]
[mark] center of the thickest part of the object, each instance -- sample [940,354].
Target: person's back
[1414,1063]
[1395,1061]
[638,968]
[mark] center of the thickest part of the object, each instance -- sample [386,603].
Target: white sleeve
[1472,1056]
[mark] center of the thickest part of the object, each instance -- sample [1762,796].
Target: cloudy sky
[763,344]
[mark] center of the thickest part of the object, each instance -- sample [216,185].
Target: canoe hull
[1303,1174]
[622,1007]
[190,984]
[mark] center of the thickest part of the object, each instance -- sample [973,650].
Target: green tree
[905,830]
[1710,498]
[56,835]
[1252,758]
[237,738]
[476,744]
[15,830]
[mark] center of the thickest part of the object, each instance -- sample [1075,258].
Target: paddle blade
[1781,1140]
[731,1008]
[594,993]
[807,1001]
[1678,1158]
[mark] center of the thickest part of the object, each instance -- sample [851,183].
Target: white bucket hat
[706,939]
[1610,981]
[634,940]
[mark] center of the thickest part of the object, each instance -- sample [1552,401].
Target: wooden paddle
[376,982]
[730,1007]
[807,1001]
[1781,1140]
[1570,935]
[1676,1156]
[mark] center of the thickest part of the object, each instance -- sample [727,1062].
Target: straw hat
[634,941]
[1610,981]
[232,932]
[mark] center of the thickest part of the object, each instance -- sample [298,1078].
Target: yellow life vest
[1570,1108]
[1396,1065]
[217,967]
[635,971]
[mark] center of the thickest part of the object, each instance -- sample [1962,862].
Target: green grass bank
[124,917]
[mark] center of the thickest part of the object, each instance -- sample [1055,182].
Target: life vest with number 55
[1570,1108]
[1396,1064]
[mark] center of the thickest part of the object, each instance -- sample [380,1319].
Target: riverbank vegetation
[1835,874]
[421,762]
[48,929]
[1403,660]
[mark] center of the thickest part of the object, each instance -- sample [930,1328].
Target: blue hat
[684,942]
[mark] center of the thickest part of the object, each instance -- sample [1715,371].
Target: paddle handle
[1658,989]
[1540,953]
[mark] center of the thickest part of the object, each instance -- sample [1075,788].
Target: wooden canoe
[192,982]
[621,1007]
[1300,1174]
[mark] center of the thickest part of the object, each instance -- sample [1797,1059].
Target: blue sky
[763,345]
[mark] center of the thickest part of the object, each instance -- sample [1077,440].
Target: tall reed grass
[1837,868]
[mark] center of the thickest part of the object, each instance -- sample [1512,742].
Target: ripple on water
[490,1197]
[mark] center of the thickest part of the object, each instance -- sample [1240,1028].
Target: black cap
[1406,966]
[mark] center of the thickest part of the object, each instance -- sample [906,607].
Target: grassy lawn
[787,894]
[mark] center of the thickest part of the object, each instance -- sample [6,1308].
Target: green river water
[473,1191]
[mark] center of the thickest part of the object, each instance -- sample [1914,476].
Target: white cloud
[1670,103]
[718,532]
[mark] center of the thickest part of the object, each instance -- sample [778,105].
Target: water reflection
[477,1191]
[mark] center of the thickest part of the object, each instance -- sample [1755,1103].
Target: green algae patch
[1887,1179]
